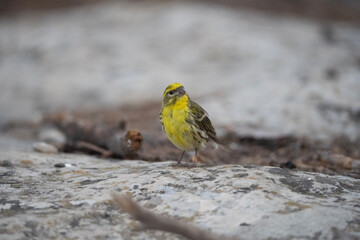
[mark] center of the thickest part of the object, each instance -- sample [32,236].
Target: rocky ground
[73,201]
[281,91]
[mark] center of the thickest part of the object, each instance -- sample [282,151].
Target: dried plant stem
[158,222]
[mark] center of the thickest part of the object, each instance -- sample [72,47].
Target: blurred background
[283,74]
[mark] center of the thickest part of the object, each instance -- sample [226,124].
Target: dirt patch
[338,157]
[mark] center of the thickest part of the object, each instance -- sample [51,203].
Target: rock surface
[72,200]
[249,70]
[277,73]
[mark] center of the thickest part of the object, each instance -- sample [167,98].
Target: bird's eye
[171,92]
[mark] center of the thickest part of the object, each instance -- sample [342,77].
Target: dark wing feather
[202,120]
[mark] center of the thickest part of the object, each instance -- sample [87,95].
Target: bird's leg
[196,159]
[182,154]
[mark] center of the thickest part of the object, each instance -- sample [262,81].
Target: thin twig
[158,222]
[104,153]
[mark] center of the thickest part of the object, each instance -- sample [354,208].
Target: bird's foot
[196,160]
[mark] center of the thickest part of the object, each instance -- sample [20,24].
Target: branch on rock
[158,222]
[104,153]
[83,134]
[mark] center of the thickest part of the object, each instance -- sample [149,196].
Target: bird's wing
[162,124]
[201,119]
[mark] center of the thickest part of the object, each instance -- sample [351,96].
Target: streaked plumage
[185,122]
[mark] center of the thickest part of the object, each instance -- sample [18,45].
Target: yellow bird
[185,122]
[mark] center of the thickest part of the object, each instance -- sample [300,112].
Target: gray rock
[250,202]
[44,147]
[52,135]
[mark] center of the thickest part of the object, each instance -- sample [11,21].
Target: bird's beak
[181,91]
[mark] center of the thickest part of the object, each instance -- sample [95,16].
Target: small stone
[44,147]
[52,135]
[288,164]
[59,165]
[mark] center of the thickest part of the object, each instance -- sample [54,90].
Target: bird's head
[172,93]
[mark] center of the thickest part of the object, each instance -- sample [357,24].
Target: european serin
[185,122]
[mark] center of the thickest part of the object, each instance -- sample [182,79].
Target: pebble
[59,165]
[52,135]
[44,147]
[288,164]
[62,165]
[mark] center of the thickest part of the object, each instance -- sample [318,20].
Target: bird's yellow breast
[176,127]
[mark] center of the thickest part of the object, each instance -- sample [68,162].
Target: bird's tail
[219,145]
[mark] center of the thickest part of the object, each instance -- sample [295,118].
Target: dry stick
[158,222]
[104,153]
